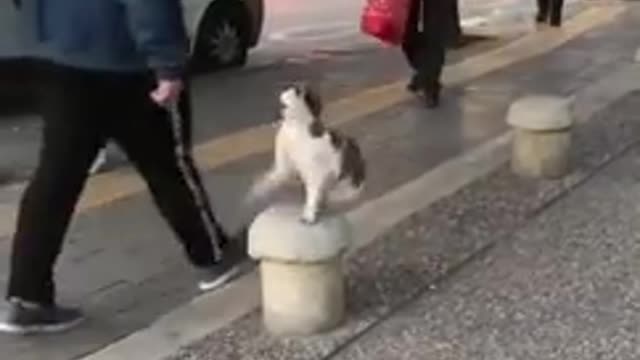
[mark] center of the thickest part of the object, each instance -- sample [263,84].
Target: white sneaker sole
[219,282]
[38,329]
[99,163]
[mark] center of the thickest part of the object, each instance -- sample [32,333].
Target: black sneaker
[413,86]
[23,318]
[432,96]
[234,257]
[556,21]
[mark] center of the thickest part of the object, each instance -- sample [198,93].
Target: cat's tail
[266,185]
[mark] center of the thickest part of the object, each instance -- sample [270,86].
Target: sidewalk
[505,269]
[127,278]
[564,285]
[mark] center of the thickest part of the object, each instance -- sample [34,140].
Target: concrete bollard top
[540,113]
[278,234]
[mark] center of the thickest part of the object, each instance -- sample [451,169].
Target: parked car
[221,32]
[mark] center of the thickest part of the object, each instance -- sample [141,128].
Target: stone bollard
[303,289]
[542,141]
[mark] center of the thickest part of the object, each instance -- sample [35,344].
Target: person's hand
[167,92]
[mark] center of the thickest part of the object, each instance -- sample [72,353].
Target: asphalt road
[316,41]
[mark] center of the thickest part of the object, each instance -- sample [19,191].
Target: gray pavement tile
[174,284]
[502,308]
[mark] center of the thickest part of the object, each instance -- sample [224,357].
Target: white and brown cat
[329,164]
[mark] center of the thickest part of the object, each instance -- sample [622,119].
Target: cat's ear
[299,88]
[313,100]
[286,86]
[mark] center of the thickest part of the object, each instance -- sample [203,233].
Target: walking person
[425,42]
[111,70]
[550,11]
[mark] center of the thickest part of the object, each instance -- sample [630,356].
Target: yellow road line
[112,186]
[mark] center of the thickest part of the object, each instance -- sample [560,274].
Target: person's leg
[436,21]
[556,12]
[412,44]
[454,36]
[543,11]
[160,147]
[71,140]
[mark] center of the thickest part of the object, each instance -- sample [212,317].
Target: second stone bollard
[542,141]
[303,290]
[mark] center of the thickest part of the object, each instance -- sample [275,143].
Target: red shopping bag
[385,20]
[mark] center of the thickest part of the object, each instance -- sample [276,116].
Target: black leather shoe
[432,101]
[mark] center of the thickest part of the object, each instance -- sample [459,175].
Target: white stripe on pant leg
[180,152]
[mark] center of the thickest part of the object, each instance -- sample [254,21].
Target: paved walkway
[505,269]
[562,286]
[127,278]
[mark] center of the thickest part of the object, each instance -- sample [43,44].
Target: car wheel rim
[224,43]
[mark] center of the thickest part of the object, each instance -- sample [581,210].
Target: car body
[195,12]
[221,33]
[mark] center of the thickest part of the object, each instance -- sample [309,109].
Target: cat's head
[301,97]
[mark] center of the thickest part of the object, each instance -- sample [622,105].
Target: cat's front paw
[308,219]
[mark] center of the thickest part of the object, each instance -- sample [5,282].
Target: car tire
[221,41]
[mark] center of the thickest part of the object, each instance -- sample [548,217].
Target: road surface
[317,41]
